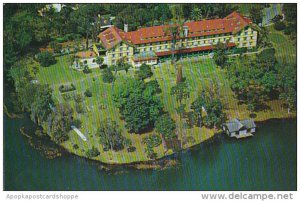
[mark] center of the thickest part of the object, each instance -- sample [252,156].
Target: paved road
[79,133]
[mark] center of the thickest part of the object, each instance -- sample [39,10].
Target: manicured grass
[198,71]
[285,50]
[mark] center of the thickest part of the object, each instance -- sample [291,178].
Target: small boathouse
[239,128]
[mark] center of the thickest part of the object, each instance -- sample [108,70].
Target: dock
[243,135]
[79,133]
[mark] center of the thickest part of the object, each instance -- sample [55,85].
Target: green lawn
[198,73]
[285,50]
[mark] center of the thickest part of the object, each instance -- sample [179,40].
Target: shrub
[153,86]
[277,18]
[152,141]
[75,146]
[93,152]
[131,149]
[77,123]
[267,53]
[66,96]
[77,98]
[150,152]
[45,58]
[72,36]
[279,26]
[56,46]
[86,69]
[88,93]
[107,76]
[144,72]
[165,125]
[127,142]
[241,50]
[192,119]
[61,39]
[65,88]
[79,108]
[103,66]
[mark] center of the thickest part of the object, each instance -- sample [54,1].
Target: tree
[256,14]
[287,82]
[277,18]
[165,125]
[173,31]
[46,58]
[263,39]
[290,12]
[254,80]
[107,76]
[144,72]
[279,26]
[211,103]
[179,76]
[224,9]
[139,107]
[215,115]
[40,106]
[153,87]
[93,152]
[59,123]
[83,19]
[197,106]
[181,110]
[88,93]
[162,13]
[220,57]
[196,14]
[86,69]
[181,91]
[110,135]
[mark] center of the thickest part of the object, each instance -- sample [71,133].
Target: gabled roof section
[86,54]
[232,23]
[148,35]
[111,37]
[236,124]
[238,21]
[248,123]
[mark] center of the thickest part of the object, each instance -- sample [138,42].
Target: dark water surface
[266,161]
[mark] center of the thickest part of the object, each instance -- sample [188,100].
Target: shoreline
[164,162]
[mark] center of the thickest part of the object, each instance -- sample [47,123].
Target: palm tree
[196,14]
[175,30]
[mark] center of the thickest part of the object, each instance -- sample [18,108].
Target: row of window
[114,61]
[147,62]
[120,54]
[190,39]
[244,38]
[121,49]
[195,43]
[85,61]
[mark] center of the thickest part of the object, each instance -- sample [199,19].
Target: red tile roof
[232,23]
[188,50]
[111,37]
[86,54]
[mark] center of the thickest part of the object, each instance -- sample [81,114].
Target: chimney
[186,31]
[125,27]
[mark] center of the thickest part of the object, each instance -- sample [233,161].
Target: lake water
[267,161]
